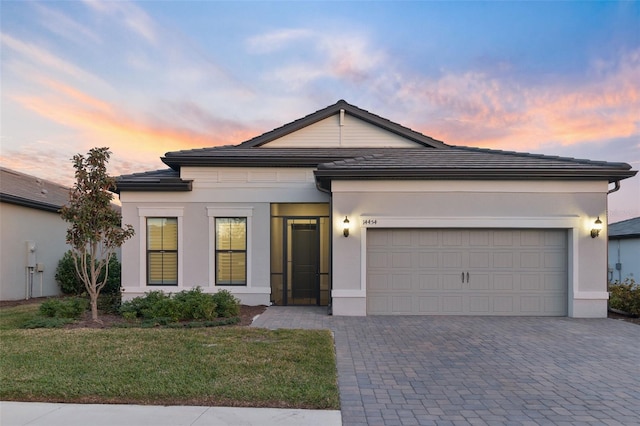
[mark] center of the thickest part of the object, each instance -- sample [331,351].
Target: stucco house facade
[33,235]
[347,209]
[624,250]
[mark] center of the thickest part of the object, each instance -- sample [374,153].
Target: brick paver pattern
[437,370]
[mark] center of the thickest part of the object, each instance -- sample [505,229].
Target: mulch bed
[247,313]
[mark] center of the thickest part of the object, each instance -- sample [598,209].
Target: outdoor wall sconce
[345,231]
[597,227]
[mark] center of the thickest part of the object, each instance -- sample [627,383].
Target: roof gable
[335,118]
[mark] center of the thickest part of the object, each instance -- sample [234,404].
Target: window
[162,251]
[231,251]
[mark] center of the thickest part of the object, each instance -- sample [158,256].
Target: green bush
[625,296]
[186,305]
[194,304]
[227,304]
[70,283]
[44,322]
[71,308]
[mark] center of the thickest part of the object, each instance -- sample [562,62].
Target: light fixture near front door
[597,227]
[346,227]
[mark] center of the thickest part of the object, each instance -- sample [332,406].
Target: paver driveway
[479,370]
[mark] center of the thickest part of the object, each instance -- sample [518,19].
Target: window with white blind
[162,251]
[231,250]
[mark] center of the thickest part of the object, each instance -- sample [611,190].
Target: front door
[304,262]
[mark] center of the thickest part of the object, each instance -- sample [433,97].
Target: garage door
[466,272]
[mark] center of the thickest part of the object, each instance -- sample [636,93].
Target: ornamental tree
[95,227]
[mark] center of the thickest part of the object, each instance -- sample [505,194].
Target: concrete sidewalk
[46,414]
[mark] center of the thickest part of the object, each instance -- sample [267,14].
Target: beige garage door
[466,272]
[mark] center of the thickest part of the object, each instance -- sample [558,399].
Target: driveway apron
[435,370]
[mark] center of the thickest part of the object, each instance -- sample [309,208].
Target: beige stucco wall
[216,192]
[472,204]
[48,231]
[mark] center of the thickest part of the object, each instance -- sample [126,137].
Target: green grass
[234,366]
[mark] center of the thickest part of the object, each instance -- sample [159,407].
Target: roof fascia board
[154,186]
[24,202]
[465,174]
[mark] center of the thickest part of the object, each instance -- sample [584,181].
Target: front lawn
[227,366]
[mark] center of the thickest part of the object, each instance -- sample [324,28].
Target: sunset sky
[558,78]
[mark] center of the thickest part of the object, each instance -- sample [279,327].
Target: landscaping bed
[216,366]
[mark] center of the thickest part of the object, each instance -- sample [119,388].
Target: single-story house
[624,250]
[345,208]
[33,235]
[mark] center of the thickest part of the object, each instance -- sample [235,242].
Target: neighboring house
[345,208]
[33,235]
[624,250]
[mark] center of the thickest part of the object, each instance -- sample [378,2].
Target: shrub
[159,307]
[227,304]
[625,296]
[194,304]
[70,283]
[71,308]
[44,322]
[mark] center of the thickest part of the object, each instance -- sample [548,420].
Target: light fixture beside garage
[345,231]
[597,227]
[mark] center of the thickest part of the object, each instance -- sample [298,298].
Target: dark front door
[304,257]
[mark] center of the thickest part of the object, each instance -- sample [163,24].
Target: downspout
[327,191]
[615,188]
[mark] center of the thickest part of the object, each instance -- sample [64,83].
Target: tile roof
[159,180]
[26,190]
[434,159]
[629,228]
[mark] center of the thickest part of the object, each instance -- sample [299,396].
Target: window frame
[159,211]
[230,212]
[231,251]
[162,250]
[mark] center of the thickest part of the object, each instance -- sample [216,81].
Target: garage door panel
[479,259]
[401,238]
[401,282]
[401,260]
[502,238]
[504,304]
[503,282]
[452,304]
[511,272]
[530,260]
[479,305]
[428,305]
[378,282]
[429,282]
[503,260]
[477,281]
[531,282]
[452,281]
[452,239]
[555,282]
[451,260]
[401,305]
[554,260]
[428,260]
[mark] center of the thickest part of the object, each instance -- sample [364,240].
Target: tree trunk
[94,307]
